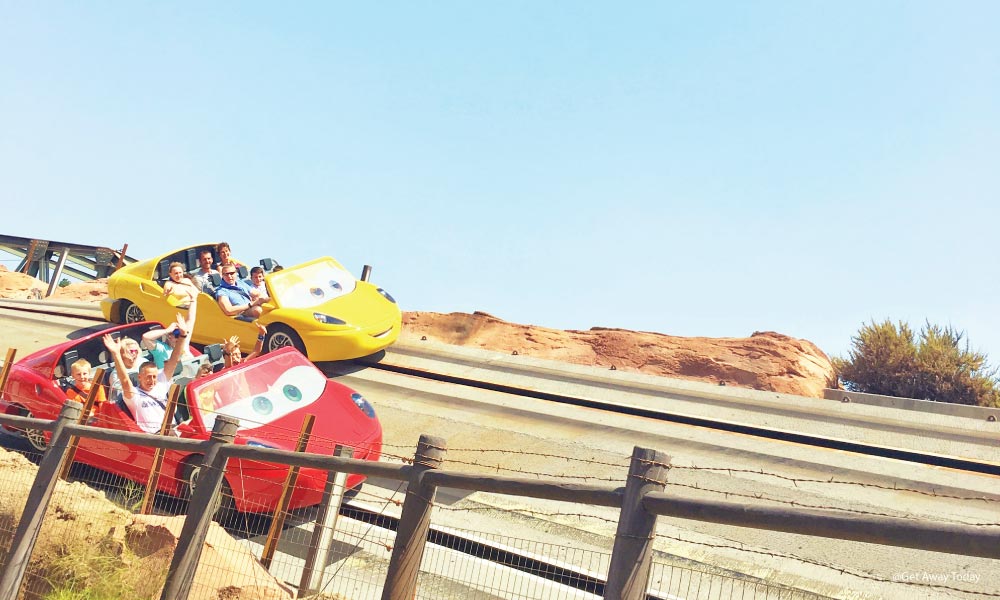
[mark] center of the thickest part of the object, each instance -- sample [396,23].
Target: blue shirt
[238,293]
[160,352]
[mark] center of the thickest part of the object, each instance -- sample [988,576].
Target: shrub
[887,358]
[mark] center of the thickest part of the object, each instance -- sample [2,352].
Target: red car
[270,395]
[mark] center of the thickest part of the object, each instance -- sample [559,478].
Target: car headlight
[387,295]
[363,405]
[328,320]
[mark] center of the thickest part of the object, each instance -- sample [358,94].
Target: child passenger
[80,370]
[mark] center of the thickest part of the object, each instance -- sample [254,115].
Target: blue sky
[696,169]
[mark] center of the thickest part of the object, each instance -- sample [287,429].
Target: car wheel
[280,336]
[131,313]
[224,506]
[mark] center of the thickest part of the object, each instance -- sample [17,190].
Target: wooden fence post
[414,522]
[7,364]
[281,510]
[30,524]
[88,408]
[166,428]
[628,572]
[325,524]
[180,575]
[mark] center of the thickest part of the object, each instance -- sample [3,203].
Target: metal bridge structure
[49,260]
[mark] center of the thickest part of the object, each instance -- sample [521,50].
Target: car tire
[131,313]
[280,336]
[224,506]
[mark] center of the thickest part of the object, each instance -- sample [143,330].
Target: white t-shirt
[150,407]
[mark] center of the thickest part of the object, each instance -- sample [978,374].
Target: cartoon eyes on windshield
[335,285]
[298,386]
[263,406]
[292,393]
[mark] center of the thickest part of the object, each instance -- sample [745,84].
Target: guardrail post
[180,575]
[628,572]
[30,524]
[326,523]
[414,522]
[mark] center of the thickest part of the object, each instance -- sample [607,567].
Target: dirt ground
[764,361]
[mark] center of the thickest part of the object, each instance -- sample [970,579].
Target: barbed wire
[537,474]
[289,435]
[547,455]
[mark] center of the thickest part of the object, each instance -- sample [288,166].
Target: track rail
[961,464]
[761,432]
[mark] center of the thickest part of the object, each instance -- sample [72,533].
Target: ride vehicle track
[924,458]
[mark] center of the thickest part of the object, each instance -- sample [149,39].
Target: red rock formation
[764,361]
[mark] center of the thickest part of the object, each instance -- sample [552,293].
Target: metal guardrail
[926,406]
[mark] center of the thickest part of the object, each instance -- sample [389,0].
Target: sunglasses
[230,273]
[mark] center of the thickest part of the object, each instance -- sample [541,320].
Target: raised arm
[228,348]
[115,347]
[258,348]
[175,357]
[149,338]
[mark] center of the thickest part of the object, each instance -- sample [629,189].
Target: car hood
[338,421]
[271,396]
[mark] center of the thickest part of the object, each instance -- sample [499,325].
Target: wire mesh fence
[673,581]
[456,563]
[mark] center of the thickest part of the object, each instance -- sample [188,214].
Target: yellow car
[318,307]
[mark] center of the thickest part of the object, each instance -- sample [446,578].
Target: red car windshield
[260,393]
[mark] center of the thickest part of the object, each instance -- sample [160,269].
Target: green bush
[887,358]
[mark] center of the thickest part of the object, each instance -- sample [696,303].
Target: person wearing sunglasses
[129,351]
[236,298]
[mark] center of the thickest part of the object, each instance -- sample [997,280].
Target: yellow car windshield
[310,285]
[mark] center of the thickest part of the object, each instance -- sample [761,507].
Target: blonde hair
[81,364]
